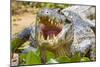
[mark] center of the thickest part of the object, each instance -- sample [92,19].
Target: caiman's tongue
[51,33]
[48,30]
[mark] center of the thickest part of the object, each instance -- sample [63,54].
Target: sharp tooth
[54,36]
[42,37]
[49,20]
[48,37]
[55,23]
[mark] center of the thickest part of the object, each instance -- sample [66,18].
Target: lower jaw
[60,49]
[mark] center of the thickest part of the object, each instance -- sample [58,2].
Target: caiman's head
[54,26]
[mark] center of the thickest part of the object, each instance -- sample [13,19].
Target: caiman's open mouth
[50,27]
[49,31]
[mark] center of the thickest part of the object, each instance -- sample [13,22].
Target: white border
[4,33]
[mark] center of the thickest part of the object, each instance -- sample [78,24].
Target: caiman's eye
[47,12]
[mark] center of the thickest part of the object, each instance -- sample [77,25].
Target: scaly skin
[84,37]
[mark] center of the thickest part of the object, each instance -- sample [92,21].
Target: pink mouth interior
[49,30]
